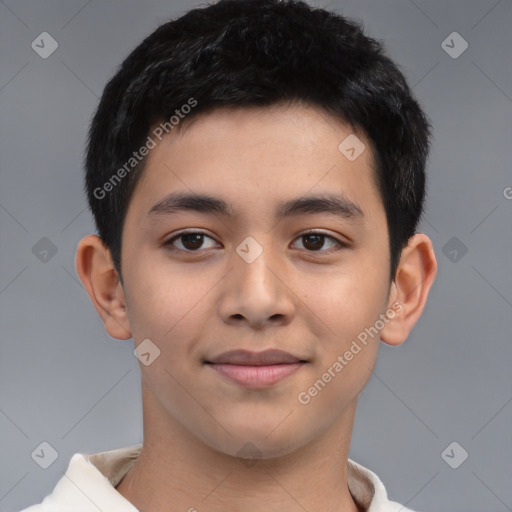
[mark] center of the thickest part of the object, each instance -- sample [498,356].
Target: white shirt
[90,480]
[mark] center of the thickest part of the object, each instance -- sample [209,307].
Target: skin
[196,305]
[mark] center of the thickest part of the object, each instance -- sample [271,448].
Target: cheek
[164,306]
[347,301]
[169,311]
[337,385]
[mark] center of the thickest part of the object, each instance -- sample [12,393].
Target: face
[266,263]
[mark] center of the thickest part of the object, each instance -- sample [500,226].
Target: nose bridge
[253,263]
[254,290]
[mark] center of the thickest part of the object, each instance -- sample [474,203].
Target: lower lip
[256,377]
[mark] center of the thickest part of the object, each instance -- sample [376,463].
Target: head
[251,103]
[238,53]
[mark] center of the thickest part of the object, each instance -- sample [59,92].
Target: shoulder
[35,508]
[368,490]
[89,483]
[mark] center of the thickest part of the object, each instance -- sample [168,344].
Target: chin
[253,445]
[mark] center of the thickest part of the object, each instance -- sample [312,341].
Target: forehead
[261,156]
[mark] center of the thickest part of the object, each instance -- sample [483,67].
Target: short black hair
[247,53]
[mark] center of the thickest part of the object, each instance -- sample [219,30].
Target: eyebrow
[335,204]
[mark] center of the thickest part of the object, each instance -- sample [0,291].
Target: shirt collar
[90,480]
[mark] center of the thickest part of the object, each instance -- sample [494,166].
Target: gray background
[63,380]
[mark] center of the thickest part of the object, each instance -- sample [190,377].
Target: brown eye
[192,241]
[316,241]
[189,241]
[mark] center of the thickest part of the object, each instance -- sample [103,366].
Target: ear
[94,266]
[409,290]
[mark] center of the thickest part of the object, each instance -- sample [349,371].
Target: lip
[256,370]
[247,358]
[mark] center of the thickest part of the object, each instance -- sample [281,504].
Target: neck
[176,471]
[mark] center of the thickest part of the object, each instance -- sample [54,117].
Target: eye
[190,241]
[313,241]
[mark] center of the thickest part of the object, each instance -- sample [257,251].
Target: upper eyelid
[189,231]
[341,243]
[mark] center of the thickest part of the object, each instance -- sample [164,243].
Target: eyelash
[341,245]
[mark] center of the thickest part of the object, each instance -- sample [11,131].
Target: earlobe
[93,264]
[409,291]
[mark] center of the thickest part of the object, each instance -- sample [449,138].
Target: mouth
[255,370]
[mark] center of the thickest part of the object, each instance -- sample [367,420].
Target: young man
[256,174]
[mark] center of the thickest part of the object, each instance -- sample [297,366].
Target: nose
[256,292]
